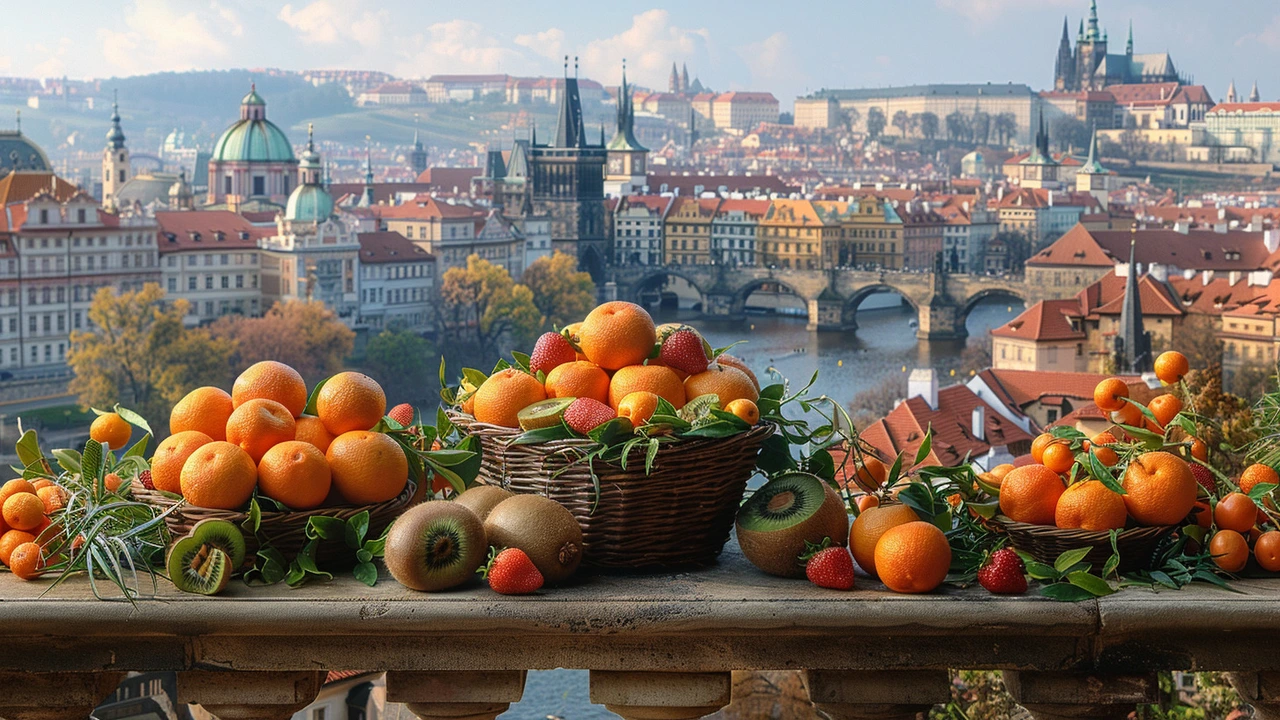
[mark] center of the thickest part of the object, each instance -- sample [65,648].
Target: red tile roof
[1019,388]
[1105,297]
[1046,320]
[1144,93]
[447,178]
[903,429]
[22,185]
[1196,250]
[739,96]
[207,230]
[1224,108]
[390,247]
[756,208]
[425,207]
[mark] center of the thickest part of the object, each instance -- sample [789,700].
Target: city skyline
[789,54]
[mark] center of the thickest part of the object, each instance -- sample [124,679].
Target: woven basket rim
[153,497]
[1084,536]
[505,435]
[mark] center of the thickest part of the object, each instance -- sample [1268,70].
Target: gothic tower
[1132,343]
[673,82]
[1064,65]
[1091,48]
[115,159]
[418,156]
[628,159]
[1231,92]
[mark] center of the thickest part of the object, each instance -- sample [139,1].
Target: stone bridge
[942,301]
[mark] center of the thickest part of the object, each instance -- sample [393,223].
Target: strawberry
[1004,573]
[586,414]
[144,477]
[1204,476]
[828,567]
[402,413]
[684,351]
[511,572]
[551,350]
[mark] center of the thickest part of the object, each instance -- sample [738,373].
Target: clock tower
[627,169]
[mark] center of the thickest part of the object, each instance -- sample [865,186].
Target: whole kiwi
[435,546]
[483,498]
[543,529]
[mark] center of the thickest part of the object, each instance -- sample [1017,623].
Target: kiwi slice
[788,511]
[483,498]
[223,535]
[199,567]
[435,546]
[543,413]
[699,408]
[543,529]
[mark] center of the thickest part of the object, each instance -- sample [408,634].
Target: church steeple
[1093,32]
[570,132]
[367,200]
[116,169]
[1132,348]
[1231,92]
[1128,46]
[115,136]
[417,156]
[1064,64]
[673,82]
[1253,94]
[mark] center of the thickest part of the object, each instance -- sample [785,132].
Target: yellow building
[791,235]
[688,230]
[872,233]
[1047,337]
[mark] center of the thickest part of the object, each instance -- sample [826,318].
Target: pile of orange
[892,543]
[223,445]
[1236,521]
[25,526]
[614,361]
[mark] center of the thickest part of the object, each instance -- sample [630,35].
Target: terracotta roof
[1046,320]
[1144,93]
[654,203]
[1106,296]
[756,208]
[904,428]
[693,208]
[1019,388]
[731,183]
[425,207]
[1218,295]
[22,185]
[1197,250]
[447,178]
[1224,108]
[738,96]
[390,247]
[1076,247]
[207,230]
[1085,412]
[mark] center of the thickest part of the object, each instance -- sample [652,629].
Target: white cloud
[169,35]
[456,46]
[548,44]
[1268,36]
[54,63]
[772,63]
[650,45]
[6,62]
[232,19]
[329,22]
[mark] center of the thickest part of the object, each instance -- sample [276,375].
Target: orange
[111,430]
[913,558]
[258,424]
[112,482]
[39,483]
[15,486]
[1165,407]
[745,409]
[468,391]
[1203,514]
[1042,441]
[870,474]
[731,361]
[206,409]
[504,395]
[1110,394]
[1171,367]
[11,540]
[1229,550]
[1090,505]
[870,525]
[368,467]
[1266,550]
[23,511]
[1236,511]
[296,474]
[866,502]
[1105,455]
[271,380]
[218,475]
[679,373]
[617,334]
[26,561]
[310,429]
[638,407]
[350,401]
[1159,488]
[171,455]
[1001,471]
[729,383]
[660,381]
[3,527]
[52,498]
[1058,457]
[572,331]
[1199,450]
[1129,415]
[1257,474]
[1029,494]
[577,379]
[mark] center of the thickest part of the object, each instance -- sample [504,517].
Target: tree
[482,307]
[1230,427]
[957,126]
[562,293]
[138,353]
[928,125]
[400,361]
[875,122]
[1017,249]
[306,335]
[980,122]
[1005,126]
[902,121]
[1070,133]
[1197,338]
[851,118]
[878,400]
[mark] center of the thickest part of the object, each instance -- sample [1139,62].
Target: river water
[847,363]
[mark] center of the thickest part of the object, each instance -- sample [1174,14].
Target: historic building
[1090,67]
[210,259]
[19,153]
[252,166]
[115,160]
[397,282]
[628,159]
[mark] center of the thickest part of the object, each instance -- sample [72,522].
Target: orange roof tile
[903,429]
[1046,320]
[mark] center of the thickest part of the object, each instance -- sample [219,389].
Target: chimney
[1255,224]
[924,383]
[1271,239]
[980,422]
[1159,272]
[1182,225]
[1233,277]
[1050,198]
[1220,228]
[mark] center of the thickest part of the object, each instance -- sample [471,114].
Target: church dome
[253,138]
[309,203]
[19,153]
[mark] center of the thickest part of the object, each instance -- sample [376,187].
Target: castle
[1090,67]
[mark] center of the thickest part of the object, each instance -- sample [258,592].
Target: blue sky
[784,47]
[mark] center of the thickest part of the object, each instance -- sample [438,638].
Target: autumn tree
[137,352]
[307,335]
[402,361]
[481,308]
[562,293]
[875,122]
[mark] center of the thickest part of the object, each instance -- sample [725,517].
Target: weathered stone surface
[660,695]
[249,695]
[1057,696]
[457,695]
[53,695]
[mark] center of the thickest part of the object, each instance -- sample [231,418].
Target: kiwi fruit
[788,511]
[199,567]
[543,529]
[223,535]
[435,546]
[482,498]
[699,408]
[543,413]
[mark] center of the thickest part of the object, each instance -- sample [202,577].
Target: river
[847,363]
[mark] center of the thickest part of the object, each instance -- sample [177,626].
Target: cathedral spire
[1231,92]
[1128,46]
[1064,65]
[1093,33]
[1132,350]
[673,82]
[1253,94]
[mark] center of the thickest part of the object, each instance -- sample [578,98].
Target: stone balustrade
[658,647]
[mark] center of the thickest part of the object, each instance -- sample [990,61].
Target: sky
[788,48]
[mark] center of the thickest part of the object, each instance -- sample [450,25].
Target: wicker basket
[285,531]
[678,516]
[1045,543]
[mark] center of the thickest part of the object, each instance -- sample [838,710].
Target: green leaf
[69,460]
[1261,490]
[473,376]
[541,435]
[775,391]
[1164,579]
[1065,592]
[377,546]
[1066,432]
[499,366]
[296,575]
[651,454]
[449,457]
[673,421]
[1187,424]
[615,431]
[366,573]
[254,520]
[925,446]
[731,418]
[91,463]
[133,418]
[1152,440]
[324,527]
[1100,473]
[775,456]
[1040,571]
[988,509]
[356,528]
[895,472]
[821,464]
[311,399]
[1092,584]
[363,555]
[28,447]
[522,360]
[717,429]
[1069,558]
[919,497]
[307,561]
[139,449]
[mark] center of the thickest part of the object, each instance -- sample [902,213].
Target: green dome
[253,141]
[309,203]
[253,98]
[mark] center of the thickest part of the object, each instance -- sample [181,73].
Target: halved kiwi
[543,413]
[223,535]
[435,546]
[774,524]
[198,567]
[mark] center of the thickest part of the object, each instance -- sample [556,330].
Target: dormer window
[44,216]
[80,216]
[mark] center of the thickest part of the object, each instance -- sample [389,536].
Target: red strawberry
[402,413]
[586,414]
[830,567]
[1204,476]
[511,572]
[551,350]
[1004,573]
[684,351]
[144,477]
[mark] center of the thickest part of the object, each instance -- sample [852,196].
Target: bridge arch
[656,279]
[986,293]
[740,295]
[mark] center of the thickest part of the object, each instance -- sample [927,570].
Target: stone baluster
[1065,695]
[54,696]
[876,694]
[456,695]
[245,695]
[661,695]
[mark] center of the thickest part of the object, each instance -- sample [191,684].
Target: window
[226,282]
[1052,414]
[208,282]
[226,185]
[44,220]
[191,283]
[259,188]
[173,284]
[80,216]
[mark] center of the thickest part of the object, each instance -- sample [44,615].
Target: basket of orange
[268,458]
[646,434]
